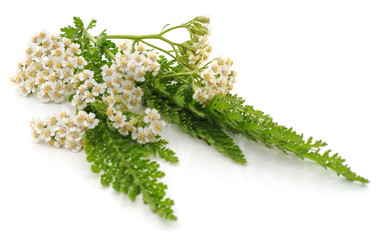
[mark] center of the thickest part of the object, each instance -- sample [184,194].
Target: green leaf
[232,113]
[78,22]
[92,24]
[121,163]
[159,148]
[195,126]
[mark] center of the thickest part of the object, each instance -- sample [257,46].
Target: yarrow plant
[121,91]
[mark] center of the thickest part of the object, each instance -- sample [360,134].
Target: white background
[309,64]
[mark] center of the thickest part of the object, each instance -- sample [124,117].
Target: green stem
[119,101]
[148,36]
[93,40]
[135,37]
[162,50]
[172,28]
[180,74]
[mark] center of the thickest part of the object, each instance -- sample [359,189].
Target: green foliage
[158,147]
[93,53]
[122,164]
[234,115]
[74,32]
[92,24]
[195,126]
[102,43]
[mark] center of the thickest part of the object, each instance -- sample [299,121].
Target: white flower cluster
[218,78]
[49,65]
[143,135]
[202,50]
[88,90]
[62,130]
[134,65]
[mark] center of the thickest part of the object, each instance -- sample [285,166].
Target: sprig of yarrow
[109,83]
[216,78]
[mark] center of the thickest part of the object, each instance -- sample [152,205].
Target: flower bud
[202,19]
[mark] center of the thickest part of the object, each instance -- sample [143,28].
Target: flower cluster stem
[93,40]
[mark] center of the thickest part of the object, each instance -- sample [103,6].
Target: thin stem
[153,46]
[93,40]
[172,28]
[148,36]
[179,74]
[119,101]
[136,37]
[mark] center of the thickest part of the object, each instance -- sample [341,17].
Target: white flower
[38,125]
[89,97]
[117,79]
[98,89]
[46,44]
[124,46]
[61,130]
[140,48]
[152,115]
[37,136]
[91,121]
[64,113]
[155,67]
[56,96]
[75,79]
[126,129]
[70,63]
[157,126]
[109,100]
[47,133]
[86,75]
[30,85]
[30,50]
[152,56]
[200,95]
[42,36]
[75,133]
[207,75]
[39,54]
[123,63]
[81,62]
[52,120]
[75,48]
[81,89]
[22,89]
[139,135]
[90,83]
[43,96]
[79,101]
[146,63]
[60,140]
[150,134]
[110,111]
[119,119]
[140,74]
[138,93]
[81,118]
[58,52]
[229,62]
[126,96]
[66,41]
[108,71]
[74,145]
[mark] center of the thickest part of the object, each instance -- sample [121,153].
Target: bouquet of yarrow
[121,91]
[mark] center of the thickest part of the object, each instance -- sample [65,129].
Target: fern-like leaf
[232,112]
[122,164]
[195,126]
